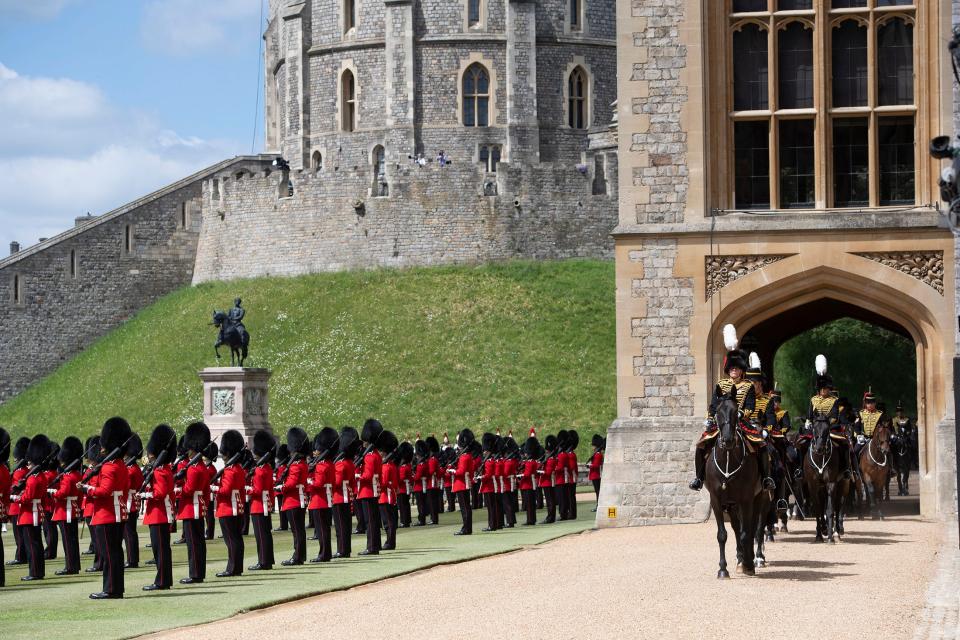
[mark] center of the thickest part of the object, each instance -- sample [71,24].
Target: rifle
[110,457]
[22,483]
[229,463]
[312,464]
[70,467]
[162,458]
[180,475]
[286,462]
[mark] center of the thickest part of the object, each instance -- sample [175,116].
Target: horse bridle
[870,453]
[726,473]
[826,460]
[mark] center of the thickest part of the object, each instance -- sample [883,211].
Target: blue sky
[102,101]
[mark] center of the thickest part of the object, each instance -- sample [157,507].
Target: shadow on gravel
[809,564]
[800,576]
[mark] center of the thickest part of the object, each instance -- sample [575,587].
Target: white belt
[303,502]
[130,494]
[566,475]
[406,483]
[35,506]
[196,505]
[265,497]
[70,501]
[533,479]
[513,483]
[234,497]
[117,506]
[168,507]
[376,485]
[423,483]
[467,481]
[389,496]
[346,491]
[328,488]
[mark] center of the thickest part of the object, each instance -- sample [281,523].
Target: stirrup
[696,484]
[769,484]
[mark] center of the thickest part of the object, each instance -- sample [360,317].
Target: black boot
[764,459]
[700,460]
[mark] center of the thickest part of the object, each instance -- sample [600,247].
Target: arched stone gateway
[746,214]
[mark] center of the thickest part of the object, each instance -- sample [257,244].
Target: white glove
[860,438]
[146,494]
[248,489]
[310,481]
[51,491]
[765,434]
[708,423]
[808,424]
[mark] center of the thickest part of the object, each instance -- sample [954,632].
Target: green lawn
[63,603]
[428,350]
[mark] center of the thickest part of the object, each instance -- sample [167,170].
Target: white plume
[821,365]
[754,360]
[730,339]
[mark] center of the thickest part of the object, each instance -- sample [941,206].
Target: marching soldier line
[327,481]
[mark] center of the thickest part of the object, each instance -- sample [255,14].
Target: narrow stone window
[73,263]
[316,161]
[349,15]
[216,188]
[128,239]
[897,158]
[184,216]
[473,13]
[796,66]
[895,63]
[379,165]
[348,96]
[750,71]
[577,99]
[17,289]
[576,17]
[599,175]
[849,64]
[796,164]
[476,96]
[489,157]
[851,162]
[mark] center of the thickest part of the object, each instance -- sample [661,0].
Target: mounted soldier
[734,368]
[232,332]
[824,405]
[866,421]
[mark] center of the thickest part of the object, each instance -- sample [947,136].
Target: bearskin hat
[263,442]
[211,452]
[433,444]
[550,443]
[349,442]
[573,439]
[298,441]
[246,459]
[532,449]
[231,443]
[92,448]
[182,446]
[283,453]
[162,438]
[388,442]
[20,448]
[114,434]
[72,449]
[489,442]
[596,441]
[464,438]
[371,431]
[196,437]
[421,448]
[53,454]
[405,452]
[562,440]
[38,449]
[4,445]
[326,442]
[135,447]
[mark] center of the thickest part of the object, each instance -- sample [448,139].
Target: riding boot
[763,456]
[700,460]
[845,464]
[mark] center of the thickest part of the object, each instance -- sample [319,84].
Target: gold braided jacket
[743,387]
[760,408]
[869,419]
[822,406]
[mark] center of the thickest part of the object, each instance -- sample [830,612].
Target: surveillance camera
[940,148]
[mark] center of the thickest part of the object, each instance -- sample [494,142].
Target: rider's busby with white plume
[869,396]
[71,450]
[734,357]
[371,431]
[114,434]
[163,438]
[196,437]
[464,438]
[823,379]
[5,445]
[231,443]
[38,450]
[20,448]
[298,442]
[263,443]
[754,368]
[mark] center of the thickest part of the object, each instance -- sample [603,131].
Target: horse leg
[722,541]
[760,560]
[735,524]
[216,349]
[829,513]
[748,531]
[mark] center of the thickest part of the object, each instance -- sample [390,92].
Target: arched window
[849,52]
[796,66]
[577,99]
[750,72]
[476,96]
[349,15]
[348,98]
[379,161]
[895,63]
[316,161]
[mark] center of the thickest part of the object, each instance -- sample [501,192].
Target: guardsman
[435,492]
[179,477]
[13,508]
[230,495]
[5,480]
[156,492]
[50,531]
[322,481]
[573,441]
[92,453]
[448,461]
[545,478]
[130,538]
[596,463]
[32,490]
[488,481]
[734,368]
[194,495]
[462,481]
[387,445]
[506,481]
[210,455]
[421,481]
[293,489]
[109,497]
[405,485]
[531,452]
[260,491]
[561,475]
[370,477]
[343,490]
[66,499]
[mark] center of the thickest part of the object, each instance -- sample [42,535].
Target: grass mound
[429,350]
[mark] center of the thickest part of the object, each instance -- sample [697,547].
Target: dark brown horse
[875,462]
[824,484]
[733,480]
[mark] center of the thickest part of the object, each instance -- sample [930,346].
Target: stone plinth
[235,398]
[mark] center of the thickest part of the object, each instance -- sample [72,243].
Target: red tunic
[192,503]
[136,481]
[321,489]
[463,474]
[546,474]
[433,471]
[421,478]
[5,481]
[31,501]
[488,479]
[573,467]
[294,490]
[390,480]
[562,471]
[159,507]
[510,474]
[527,474]
[66,498]
[498,479]
[14,509]
[405,480]
[344,476]
[232,491]
[87,500]
[261,490]
[48,498]
[110,494]
[596,466]
[370,476]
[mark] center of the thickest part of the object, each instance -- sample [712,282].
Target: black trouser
[466,511]
[50,535]
[71,545]
[422,509]
[550,498]
[321,524]
[539,497]
[3,565]
[388,515]
[494,516]
[530,505]
[562,497]
[33,541]
[111,550]
[372,512]
[572,500]
[476,496]
[20,555]
[341,523]
[296,518]
[162,557]
[283,526]
[196,548]
[509,516]
[131,540]
[436,505]
[262,531]
[596,489]
[403,508]
[210,519]
[450,499]
[245,528]
[361,518]
[97,547]
[230,527]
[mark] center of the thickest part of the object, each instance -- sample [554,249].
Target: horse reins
[874,460]
[727,474]
[826,461]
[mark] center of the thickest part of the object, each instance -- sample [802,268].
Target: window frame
[572,100]
[349,105]
[476,96]
[350,16]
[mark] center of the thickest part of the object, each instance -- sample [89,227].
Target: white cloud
[66,150]
[33,9]
[188,27]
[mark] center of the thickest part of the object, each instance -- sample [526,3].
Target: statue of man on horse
[232,333]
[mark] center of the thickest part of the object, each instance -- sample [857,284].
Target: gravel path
[648,581]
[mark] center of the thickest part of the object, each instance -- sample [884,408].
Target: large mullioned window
[476,96]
